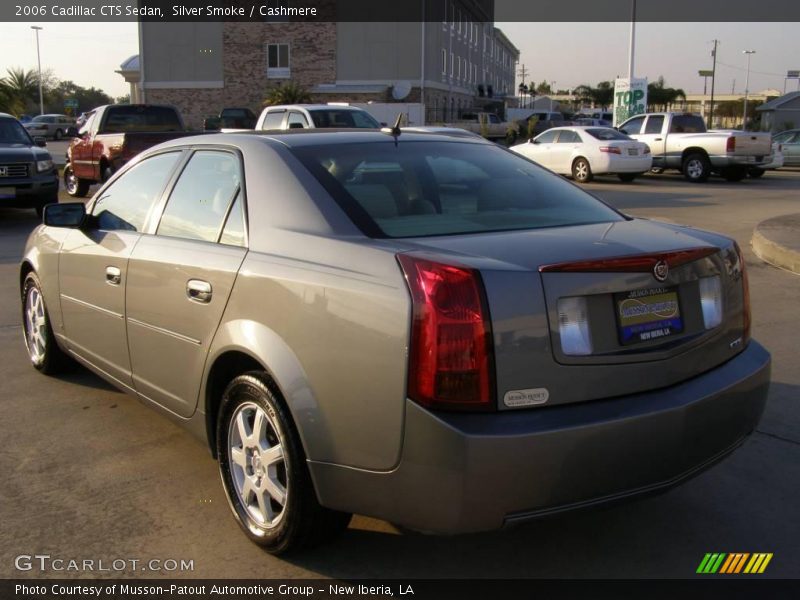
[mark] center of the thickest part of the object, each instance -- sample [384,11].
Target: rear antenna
[394,129]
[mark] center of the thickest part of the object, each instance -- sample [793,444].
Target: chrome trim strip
[98,308]
[165,332]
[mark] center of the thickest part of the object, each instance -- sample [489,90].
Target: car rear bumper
[721,162]
[471,472]
[625,164]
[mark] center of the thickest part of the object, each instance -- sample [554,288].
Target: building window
[452,66]
[278,61]
[444,61]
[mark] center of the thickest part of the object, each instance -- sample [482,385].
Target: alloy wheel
[257,464]
[35,325]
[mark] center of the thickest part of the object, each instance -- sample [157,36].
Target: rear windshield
[346,119]
[121,119]
[413,189]
[606,134]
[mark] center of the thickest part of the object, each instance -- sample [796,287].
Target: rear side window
[654,124]
[687,124]
[273,120]
[200,199]
[233,232]
[415,189]
[126,203]
[569,137]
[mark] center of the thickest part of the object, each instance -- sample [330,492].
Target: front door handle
[658,139]
[113,275]
[198,290]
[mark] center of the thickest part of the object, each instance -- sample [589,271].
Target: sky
[568,53]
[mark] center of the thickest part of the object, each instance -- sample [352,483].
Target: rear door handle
[658,139]
[113,275]
[198,290]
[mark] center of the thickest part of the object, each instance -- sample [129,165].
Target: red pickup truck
[111,136]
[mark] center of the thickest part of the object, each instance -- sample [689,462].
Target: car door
[791,150]
[180,278]
[567,146]
[633,127]
[81,149]
[541,148]
[652,134]
[94,261]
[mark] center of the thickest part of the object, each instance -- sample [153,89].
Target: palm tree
[21,88]
[659,96]
[290,93]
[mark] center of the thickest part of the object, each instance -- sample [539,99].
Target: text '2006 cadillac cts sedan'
[423,328]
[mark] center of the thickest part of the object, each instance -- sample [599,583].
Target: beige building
[456,61]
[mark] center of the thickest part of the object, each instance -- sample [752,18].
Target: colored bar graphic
[728,564]
[734,563]
[741,562]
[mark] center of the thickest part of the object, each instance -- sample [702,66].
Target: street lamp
[552,91]
[39,60]
[746,86]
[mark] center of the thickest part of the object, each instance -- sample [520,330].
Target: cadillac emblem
[661,270]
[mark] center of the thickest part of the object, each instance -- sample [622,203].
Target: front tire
[696,168]
[264,472]
[582,171]
[43,350]
[77,188]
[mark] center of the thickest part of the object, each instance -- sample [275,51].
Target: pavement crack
[778,437]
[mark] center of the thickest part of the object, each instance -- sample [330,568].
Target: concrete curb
[777,241]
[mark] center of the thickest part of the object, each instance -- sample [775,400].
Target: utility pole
[633,39]
[523,73]
[746,87]
[713,78]
[39,60]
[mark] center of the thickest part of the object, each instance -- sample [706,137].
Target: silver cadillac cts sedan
[423,328]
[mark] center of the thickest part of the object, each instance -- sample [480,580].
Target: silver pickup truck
[680,141]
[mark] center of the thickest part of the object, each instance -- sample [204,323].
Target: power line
[781,75]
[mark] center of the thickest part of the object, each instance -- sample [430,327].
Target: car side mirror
[66,214]
[40,141]
[535,141]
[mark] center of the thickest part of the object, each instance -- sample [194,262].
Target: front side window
[654,125]
[413,189]
[200,199]
[548,137]
[569,137]
[633,127]
[278,61]
[126,203]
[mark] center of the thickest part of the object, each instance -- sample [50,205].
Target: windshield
[606,134]
[41,119]
[12,132]
[413,189]
[347,119]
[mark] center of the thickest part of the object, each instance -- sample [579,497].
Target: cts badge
[661,270]
[531,397]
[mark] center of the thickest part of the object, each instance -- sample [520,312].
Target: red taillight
[746,319]
[610,149]
[730,145]
[450,354]
[635,263]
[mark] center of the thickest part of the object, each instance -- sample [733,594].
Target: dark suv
[28,177]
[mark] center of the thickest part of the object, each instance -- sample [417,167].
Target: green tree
[20,90]
[290,93]
[544,88]
[661,97]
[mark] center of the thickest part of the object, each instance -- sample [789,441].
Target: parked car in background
[544,120]
[315,116]
[790,146]
[680,141]
[584,152]
[28,178]
[451,131]
[52,126]
[113,134]
[487,125]
[421,328]
[775,159]
[590,122]
[231,118]
[603,115]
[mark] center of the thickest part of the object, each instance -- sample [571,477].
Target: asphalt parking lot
[91,473]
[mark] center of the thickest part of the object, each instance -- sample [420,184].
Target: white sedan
[584,152]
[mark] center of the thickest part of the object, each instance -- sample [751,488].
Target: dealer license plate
[646,315]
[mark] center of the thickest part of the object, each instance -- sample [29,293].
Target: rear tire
[582,171]
[696,168]
[264,472]
[756,172]
[43,350]
[77,188]
[627,177]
